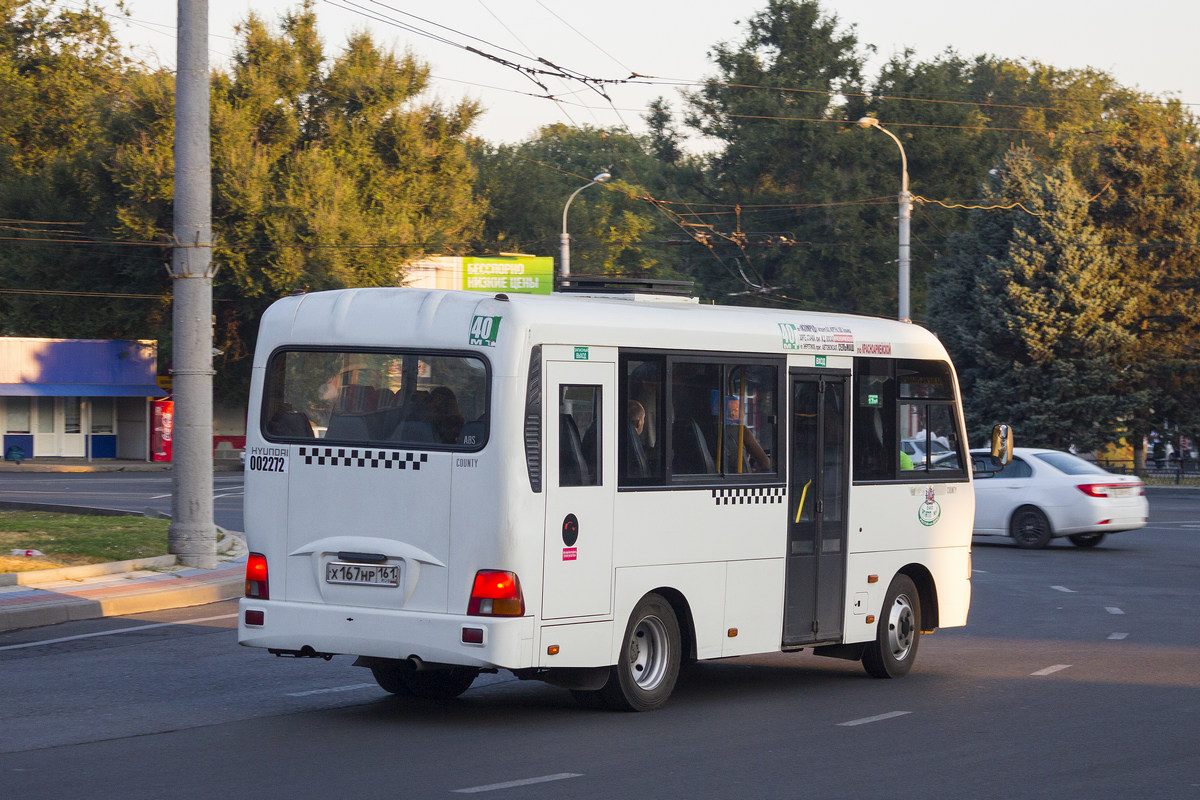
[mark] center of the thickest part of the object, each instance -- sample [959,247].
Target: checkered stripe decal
[354,457]
[753,496]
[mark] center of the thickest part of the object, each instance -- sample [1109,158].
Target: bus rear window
[385,399]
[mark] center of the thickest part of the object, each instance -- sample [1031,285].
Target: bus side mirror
[1002,443]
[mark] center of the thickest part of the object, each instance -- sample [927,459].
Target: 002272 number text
[267,464]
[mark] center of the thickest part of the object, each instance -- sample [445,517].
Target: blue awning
[80,390]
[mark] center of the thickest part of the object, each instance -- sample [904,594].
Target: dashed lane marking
[1114,610]
[876,718]
[352,687]
[1063,589]
[491,787]
[1051,670]
[1117,635]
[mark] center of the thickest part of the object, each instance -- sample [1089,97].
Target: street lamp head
[868,122]
[601,178]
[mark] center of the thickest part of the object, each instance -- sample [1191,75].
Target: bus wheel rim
[648,653]
[901,628]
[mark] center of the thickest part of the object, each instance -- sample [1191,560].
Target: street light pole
[564,239]
[905,218]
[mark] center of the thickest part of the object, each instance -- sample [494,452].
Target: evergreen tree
[1032,308]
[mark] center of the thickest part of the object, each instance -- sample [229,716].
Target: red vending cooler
[160,430]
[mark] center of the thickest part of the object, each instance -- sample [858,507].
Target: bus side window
[579,453]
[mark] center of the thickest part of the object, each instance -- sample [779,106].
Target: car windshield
[1071,465]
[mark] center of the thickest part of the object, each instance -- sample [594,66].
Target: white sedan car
[1047,493]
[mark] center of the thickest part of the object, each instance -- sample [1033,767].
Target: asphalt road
[129,491]
[1078,676]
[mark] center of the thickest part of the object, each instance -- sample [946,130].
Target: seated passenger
[443,414]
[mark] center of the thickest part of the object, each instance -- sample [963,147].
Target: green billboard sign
[527,274]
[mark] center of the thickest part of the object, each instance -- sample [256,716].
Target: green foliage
[327,173]
[1031,308]
[612,227]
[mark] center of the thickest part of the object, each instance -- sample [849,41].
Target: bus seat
[572,468]
[349,427]
[691,454]
[413,432]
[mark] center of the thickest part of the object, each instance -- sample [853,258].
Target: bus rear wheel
[439,684]
[894,650]
[648,664]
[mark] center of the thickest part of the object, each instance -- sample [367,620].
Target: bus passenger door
[580,480]
[818,479]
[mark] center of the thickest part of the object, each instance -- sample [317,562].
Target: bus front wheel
[648,663]
[894,650]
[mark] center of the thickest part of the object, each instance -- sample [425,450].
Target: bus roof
[395,317]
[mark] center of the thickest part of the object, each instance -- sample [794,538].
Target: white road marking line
[1051,670]
[980,571]
[350,688]
[491,787]
[113,633]
[1117,635]
[1113,610]
[1063,589]
[876,718]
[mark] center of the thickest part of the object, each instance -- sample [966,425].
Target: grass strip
[69,540]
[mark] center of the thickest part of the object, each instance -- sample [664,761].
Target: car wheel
[1030,528]
[439,684]
[1086,539]
[648,663]
[898,632]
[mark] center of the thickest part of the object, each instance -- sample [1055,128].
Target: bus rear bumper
[507,643]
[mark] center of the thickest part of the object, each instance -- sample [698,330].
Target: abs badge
[929,512]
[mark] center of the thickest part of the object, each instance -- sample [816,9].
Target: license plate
[362,574]
[1123,491]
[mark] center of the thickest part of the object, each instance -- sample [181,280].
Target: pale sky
[1149,44]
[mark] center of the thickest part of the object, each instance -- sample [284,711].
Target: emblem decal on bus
[930,511]
[484,330]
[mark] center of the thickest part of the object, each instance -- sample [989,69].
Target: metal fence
[1185,472]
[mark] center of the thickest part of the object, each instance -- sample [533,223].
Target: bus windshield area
[387,399]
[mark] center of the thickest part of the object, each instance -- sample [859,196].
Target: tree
[614,230]
[1032,308]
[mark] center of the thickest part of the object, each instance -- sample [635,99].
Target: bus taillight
[496,594]
[256,577]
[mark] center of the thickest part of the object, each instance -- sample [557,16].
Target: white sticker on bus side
[267,459]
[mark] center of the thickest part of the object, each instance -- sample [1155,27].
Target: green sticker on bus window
[873,400]
[484,330]
[581,354]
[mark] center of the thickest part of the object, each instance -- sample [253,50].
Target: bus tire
[648,663]
[439,684]
[1030,528]
[388,677]
[898,632]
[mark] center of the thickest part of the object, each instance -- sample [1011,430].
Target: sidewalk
[46,597]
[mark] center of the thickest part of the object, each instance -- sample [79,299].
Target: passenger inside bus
[740,439]
[637,466]
[444,415]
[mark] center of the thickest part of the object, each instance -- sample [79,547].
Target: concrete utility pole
[192,535]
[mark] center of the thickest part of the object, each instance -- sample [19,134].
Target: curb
[50,608]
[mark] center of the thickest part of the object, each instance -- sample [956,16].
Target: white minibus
[591,487]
